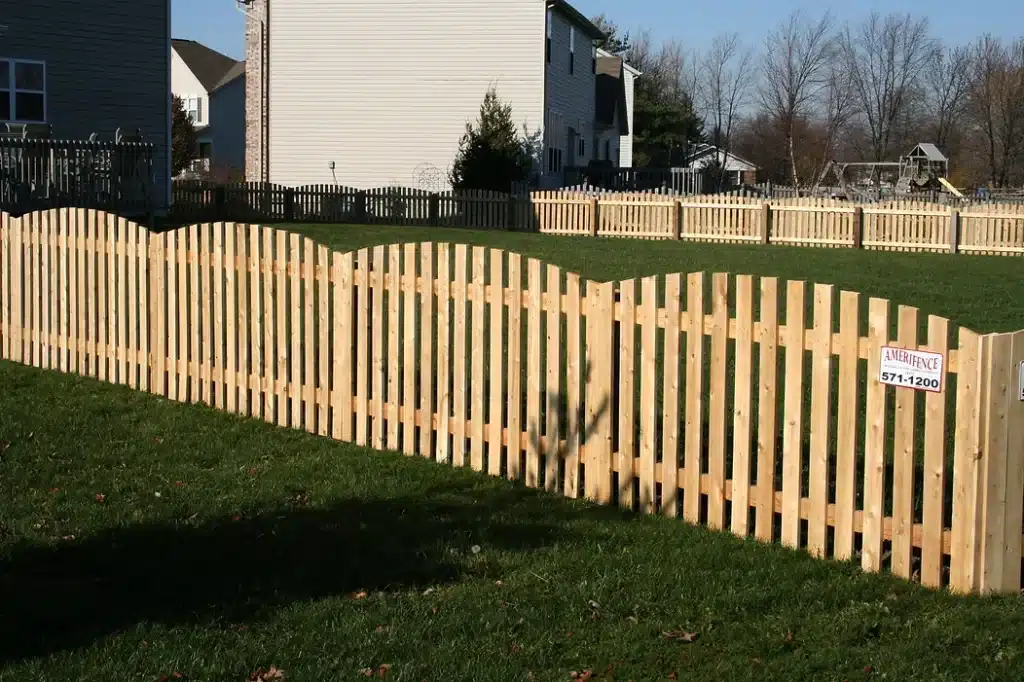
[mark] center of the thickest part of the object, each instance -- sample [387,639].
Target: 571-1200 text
[910,381]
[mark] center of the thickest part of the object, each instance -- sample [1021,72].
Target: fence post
[954,231]
[595,220]
[677,220]
[766,222]
[361,206]
[858,227]
[289,204]
[1000,499]
[598,396]
[510,212]
[434,209]
[219,202]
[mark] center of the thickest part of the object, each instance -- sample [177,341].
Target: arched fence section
[780,411]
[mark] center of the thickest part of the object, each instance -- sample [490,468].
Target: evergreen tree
[184,141]
[492,155]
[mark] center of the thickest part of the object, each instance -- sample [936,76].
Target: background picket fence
[737,402]
[810,221]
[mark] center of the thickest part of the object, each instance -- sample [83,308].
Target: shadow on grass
[55,598]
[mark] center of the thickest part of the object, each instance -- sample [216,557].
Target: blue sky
[219,25]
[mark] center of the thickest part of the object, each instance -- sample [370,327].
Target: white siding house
[212,87]
[630,75]
[378,93]
[614,113]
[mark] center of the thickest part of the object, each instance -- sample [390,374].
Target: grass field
[984,293]
[141,538]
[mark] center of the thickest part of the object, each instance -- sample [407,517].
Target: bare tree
[885,58]
[726,78]
[947,79]
[795,71]
[997,104]
[838,107]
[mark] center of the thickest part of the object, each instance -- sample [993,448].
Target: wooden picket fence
[746,404]
[984,229]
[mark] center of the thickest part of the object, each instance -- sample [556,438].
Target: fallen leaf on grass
[673,676]
[361,594]
[680,636]
[54,491]
[179,484]
[236,517]
[584,676]
[380,671]
[271,674]
[515,648]
[100,497]
[173,676]
[381,629]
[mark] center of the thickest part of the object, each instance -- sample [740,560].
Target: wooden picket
[664,395]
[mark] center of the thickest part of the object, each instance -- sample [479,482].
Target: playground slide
[953,190]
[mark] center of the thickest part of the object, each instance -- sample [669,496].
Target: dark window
[554,160]
[30,106]
[572,63]
[22,91]
[549,51]
[582,147]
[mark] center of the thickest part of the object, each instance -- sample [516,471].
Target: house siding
[184,84]
[384,89]
[626,141]
[107,66]
[570,97]
[227,125]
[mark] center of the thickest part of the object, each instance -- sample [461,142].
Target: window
[548,44]
[572,49]
[607,150]
[194,108]
[554,160]
[22,91]
[582,147]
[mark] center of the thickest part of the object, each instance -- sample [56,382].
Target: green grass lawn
[141,538]
[984,293]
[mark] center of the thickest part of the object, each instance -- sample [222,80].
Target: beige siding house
[212,87]
[90,67]
[374,94]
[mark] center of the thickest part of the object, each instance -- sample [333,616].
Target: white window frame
[198,119]
[572,50]
[12,90]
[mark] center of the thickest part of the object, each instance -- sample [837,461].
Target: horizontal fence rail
[744,404]
[996,229]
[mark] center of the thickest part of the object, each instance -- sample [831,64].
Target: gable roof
[577,17]
[611,93]
[930,152]
[626,66]
[703,149]
[211,68]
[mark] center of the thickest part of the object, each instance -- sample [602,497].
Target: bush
[492,155]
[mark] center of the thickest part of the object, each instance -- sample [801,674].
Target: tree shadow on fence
[228,569]
[573,428]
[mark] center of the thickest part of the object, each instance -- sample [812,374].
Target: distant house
[738,171]
[79,68]
[212,86]
[394,115]
[614,110]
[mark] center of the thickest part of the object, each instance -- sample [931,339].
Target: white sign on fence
[915,369]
